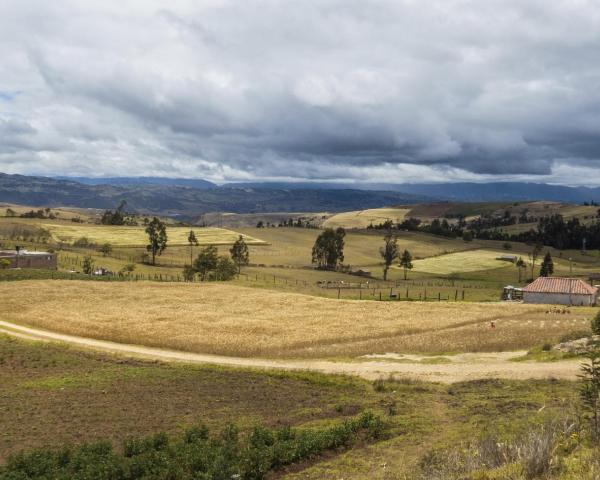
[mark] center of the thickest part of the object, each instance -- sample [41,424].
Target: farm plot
[460,262]
[362,218]
[136,236]
[233,320]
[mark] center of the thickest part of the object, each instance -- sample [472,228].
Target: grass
[53,395]
[233,320]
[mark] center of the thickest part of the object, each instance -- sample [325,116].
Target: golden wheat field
[232,320]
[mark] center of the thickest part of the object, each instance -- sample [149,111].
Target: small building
[512,293]
[562,291]
[29,259]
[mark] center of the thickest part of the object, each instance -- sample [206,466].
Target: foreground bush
[196,455]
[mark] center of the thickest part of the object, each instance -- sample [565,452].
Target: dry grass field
[238,321]
[133,236]
[362,218]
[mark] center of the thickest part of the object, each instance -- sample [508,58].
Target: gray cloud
[332,89]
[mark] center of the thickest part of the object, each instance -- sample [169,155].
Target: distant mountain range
[129,181]
[463,192]
[188,198]
[164,197]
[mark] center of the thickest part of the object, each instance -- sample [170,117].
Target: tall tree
[192,240]
[535,253]
[547,267]
[157,238]
[328,250]
[240,254]
[406,262]
[206,261]
[520,264]
[389,252]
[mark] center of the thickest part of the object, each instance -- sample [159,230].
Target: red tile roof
[560,285]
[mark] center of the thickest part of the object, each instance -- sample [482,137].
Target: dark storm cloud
[331,89]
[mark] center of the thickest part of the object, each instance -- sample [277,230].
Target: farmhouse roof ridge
[560,285]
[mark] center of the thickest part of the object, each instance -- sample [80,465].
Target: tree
[240,254]
[535,253]
[225,269]
[328,250]
[590,390]
[10,212]
[206,261]
[88,265]
[406,262]
[389,252]
[157,238]
[260,224]
[192,240]
[547,267]
[106,249]
[520,264]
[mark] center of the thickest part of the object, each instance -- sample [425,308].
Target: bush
[83,242]
[595,324]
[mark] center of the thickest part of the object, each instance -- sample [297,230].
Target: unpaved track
[468,366]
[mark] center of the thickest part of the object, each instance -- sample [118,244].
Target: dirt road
[448,369]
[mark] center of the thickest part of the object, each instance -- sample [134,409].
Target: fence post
[339,292]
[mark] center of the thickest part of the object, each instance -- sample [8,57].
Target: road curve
[462,367]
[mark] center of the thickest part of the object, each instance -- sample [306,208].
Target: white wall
[558,298]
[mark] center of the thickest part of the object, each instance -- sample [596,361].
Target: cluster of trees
[328,250]
[298,223]
[118,216]
[45,213]
[390,252]
[209,265]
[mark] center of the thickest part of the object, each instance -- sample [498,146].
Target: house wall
[559,298]
[48,261]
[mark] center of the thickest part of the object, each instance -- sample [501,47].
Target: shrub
[4,263]
[595,324]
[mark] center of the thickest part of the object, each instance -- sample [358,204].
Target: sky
[398,91]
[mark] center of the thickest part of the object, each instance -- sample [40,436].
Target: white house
[563,291]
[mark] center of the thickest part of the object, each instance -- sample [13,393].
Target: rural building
[563,291]
[28,259]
